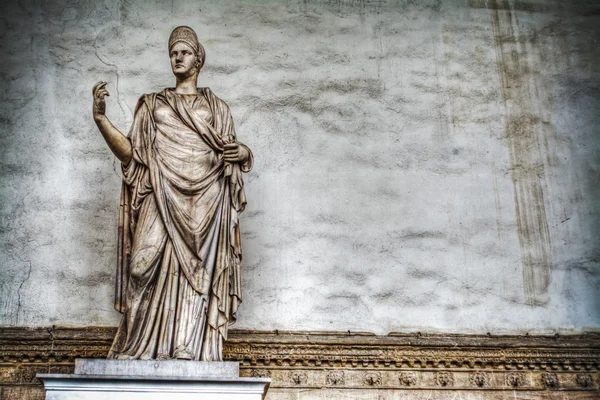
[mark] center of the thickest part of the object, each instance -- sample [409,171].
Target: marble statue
[178,274]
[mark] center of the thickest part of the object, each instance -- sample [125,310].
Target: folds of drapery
[220,188]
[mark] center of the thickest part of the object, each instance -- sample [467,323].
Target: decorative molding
[260,373]
[299,377]
[321,360]
[515,380]
[335,378]
[444,378]
[479,379]
[584,380]
[550,380]
[372,378]
[407,378]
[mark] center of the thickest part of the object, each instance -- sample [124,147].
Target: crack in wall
[12,252]
[20,288]
[112,65]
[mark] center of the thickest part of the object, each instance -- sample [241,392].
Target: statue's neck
[187,85]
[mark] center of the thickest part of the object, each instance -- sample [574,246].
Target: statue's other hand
[234,153]
[99,91]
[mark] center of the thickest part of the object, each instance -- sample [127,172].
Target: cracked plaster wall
[420,166]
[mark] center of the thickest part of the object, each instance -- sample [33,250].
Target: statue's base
[146,380]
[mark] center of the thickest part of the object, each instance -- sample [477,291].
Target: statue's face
[183,60]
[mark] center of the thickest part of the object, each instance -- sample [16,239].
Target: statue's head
[186,53]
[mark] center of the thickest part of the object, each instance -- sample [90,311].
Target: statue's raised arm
[118,143]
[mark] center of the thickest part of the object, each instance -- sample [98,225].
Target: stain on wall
[524,132]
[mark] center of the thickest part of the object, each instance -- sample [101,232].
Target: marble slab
[164,368]
[152,380]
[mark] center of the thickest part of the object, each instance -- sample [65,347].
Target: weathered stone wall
[420,166]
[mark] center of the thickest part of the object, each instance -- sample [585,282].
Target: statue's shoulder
[154,95]
[149,99]
[213,98]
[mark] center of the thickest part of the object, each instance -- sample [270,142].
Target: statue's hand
[234,153]
[99,91]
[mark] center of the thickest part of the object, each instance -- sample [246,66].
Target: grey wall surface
[420,166]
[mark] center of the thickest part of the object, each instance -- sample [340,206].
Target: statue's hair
[187,35]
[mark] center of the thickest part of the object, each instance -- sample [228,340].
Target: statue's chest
[164,114]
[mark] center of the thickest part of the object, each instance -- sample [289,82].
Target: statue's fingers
[102,85]
[99,86]
[231,146]
[102,93]
[95,89]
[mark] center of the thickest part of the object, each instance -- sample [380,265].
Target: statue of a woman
[178,277]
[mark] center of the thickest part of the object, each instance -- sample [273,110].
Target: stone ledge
[121,387]
[309,361]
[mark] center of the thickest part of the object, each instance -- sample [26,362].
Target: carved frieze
[372,378]
[479,379]
[331,361]
[444,378]
[584,380]
[549,380]
[335,378]
[260,373]
[299,377]
[408,379]
[515,380]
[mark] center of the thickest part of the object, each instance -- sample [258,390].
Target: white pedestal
[146,380]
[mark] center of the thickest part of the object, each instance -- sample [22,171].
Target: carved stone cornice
[356,350]
[345,361]
[419,362]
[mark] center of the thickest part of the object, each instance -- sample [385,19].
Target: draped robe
[178,276]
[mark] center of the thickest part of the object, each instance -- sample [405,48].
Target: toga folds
[178,276]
